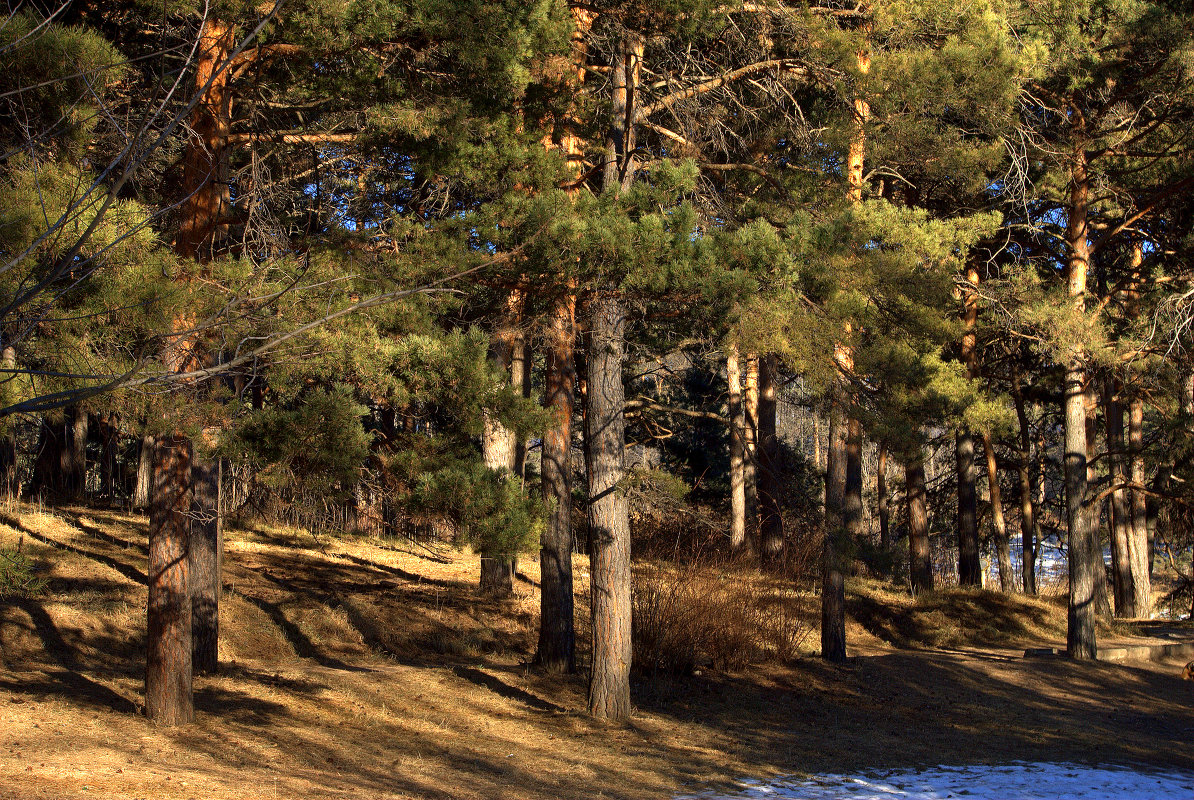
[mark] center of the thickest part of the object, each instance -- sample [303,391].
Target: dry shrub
[690,615]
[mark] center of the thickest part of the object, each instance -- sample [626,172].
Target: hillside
[373,669]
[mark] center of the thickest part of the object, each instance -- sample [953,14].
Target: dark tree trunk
[920,561]
[9,482]
[833,589]
[739,542]
[884,501]
[1028,527]
[1102,592]
[1120,516]
[771,524]
[520,377]
[144,482]
[1083,552]
[609,527]
[497,575]
[1007,581]
[557,636]
[168,659]
[206,557]
[969,566]
[853,511]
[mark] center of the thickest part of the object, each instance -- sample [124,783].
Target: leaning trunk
[609,527]
[168,658]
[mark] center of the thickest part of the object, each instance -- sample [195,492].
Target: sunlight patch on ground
[1016,781]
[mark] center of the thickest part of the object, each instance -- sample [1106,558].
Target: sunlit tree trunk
[1140,540]
[969,565]
[771,525]
[750,470]
[1082,552]
[1007,581]
[738,539]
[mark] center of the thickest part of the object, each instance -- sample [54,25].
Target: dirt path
[309,707]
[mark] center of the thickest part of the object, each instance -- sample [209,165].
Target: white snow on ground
[1015,781]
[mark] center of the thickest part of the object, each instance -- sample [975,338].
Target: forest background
[812,287]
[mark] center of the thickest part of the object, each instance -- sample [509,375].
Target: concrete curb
[1142,652]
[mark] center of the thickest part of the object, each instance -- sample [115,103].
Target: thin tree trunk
[853,511]
[1083,543]
[520,376]
[1140,538]
[1028,526]
[771,525]
[920,561]
[1121,522]
[9,483]
[206,556]
[750,471]
[833,591]
[609,527]
[1102,592]
[738,540]
[884,501]
[557,636]
[168,660]
[1007,581]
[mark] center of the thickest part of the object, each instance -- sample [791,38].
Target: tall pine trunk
[168,697]
[1007,581]
[557,635]
[833,591]
[750,464]
[853,511]
[1083,548]
[609,527]
[144,481]
[739,542]
[920,561]
[884,501]
[771,525]
[1120,516]
[1140,540]
[499,448]
[969,565]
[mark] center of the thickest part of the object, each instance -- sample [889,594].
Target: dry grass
[367,669]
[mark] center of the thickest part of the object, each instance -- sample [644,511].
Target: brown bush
[692,615]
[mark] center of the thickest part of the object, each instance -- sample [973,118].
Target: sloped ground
[366,671]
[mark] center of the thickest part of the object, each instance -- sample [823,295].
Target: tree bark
[833,591]
[1083,543]
[168,659]
[1028,525]
[920,561]
[1007,581]
[1140,538]
[499,448]
[883,500]
[969,566]
[9,482]
[750,470]
[557,636]
[609,527]
[206,553]
[144,482]
[739,543]
[853,511]
[771,524]
[1120,517]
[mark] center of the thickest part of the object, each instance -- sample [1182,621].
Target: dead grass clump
[684,617]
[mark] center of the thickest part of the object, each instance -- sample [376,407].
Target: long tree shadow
[128,571]
[493,684]
[301,643]
[76,521]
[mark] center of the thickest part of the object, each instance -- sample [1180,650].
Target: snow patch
[1015,781]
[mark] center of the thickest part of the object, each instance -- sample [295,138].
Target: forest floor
[368,669]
